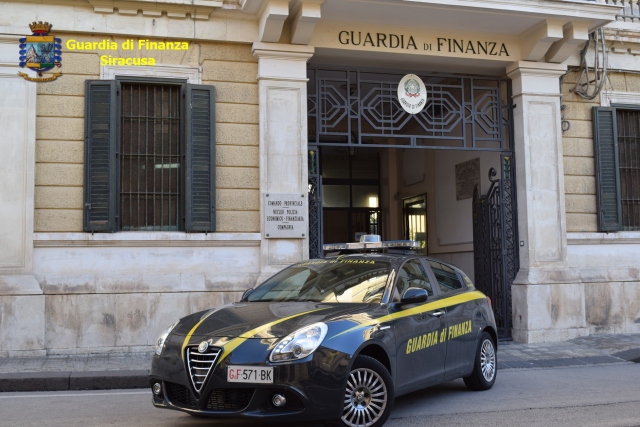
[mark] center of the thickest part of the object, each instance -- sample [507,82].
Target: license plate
[250,374]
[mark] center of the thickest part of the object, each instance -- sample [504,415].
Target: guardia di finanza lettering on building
[443,44]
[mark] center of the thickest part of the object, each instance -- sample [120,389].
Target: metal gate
[315,204]
[495,236]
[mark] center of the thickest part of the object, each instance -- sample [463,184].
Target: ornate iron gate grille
[494,243]
[356,107]
[315,204]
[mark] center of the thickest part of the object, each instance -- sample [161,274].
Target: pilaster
[282,80]
[543,310]
[21,298]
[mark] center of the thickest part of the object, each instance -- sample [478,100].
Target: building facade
[189,151]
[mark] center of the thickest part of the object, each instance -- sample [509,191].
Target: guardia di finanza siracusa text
[127,45]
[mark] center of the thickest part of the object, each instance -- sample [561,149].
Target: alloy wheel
[365,398]
[488,360]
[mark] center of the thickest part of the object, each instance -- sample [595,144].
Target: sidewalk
[111,371]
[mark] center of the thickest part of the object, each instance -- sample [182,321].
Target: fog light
[278,400]
[157,389]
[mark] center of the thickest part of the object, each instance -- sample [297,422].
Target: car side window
[412,275]
[447,278]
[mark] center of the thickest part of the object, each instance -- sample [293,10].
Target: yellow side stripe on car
[435,305]
[188,337]
[234,343]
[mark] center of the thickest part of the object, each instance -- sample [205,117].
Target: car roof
[394,256]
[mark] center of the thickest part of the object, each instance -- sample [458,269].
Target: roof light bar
[372,241]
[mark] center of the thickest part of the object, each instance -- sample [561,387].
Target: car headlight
[299,344]
[163,337]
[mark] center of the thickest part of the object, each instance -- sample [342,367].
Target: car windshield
[331,280]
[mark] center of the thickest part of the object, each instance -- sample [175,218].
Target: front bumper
[313,388]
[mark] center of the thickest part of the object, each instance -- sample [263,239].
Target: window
[617,155]
[412,275]
[149,156]
[446,277]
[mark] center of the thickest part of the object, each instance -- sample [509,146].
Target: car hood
[263,319]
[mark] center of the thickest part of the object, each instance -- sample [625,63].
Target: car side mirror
[246,294]
[414,296]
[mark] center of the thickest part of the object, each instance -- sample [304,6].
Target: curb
[60,381]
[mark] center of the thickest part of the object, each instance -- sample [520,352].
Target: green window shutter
[200,159]
[605,140]
[100,138]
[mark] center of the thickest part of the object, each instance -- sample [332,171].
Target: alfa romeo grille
[200,365]
[230,399]
[180,395]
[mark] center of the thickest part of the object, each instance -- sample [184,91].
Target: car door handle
[437,313]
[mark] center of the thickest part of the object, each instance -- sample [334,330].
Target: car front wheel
[484,369]
[368,396]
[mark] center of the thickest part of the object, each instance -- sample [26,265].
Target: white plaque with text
[285,215]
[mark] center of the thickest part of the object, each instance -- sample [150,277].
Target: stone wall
[231,68]
[602,266]
[116,291]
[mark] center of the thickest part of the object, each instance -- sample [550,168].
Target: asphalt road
[604,395]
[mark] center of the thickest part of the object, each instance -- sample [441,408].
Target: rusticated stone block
[579,166]
[579,222]
[577,147]
[227,52]
[580,203]
[52,151]
[237,177]
[578,110]
[579,129]
[237,113]
[230,155]
[238,199]
[59,174]
[230,71]
[84,63]
[56,220]
[60,106]
[66,85]
[237,134]
[579,184]
[235,93]
[238,221]
[62,128]
[58,197]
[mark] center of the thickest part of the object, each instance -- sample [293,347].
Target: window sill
[618,238]
[146,239]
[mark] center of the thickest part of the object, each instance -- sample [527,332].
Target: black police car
[330,339]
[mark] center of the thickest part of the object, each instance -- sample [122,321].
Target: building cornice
[145,239]
[619,238]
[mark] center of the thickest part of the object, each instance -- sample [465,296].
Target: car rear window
[446,277]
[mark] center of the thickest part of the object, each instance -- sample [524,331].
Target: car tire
[368,395]
[484,369]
